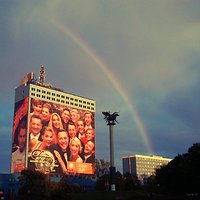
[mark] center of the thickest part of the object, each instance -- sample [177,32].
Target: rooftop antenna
[42,75]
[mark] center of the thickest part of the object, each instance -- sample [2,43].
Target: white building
[142,166]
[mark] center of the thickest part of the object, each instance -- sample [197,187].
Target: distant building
[142,166]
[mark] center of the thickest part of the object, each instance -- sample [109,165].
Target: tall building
[39,105]
[142,166]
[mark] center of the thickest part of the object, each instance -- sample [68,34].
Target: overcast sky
[136,57]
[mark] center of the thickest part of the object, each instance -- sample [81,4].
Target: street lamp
[111,121]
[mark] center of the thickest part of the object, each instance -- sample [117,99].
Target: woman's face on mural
[47,138]
[56,121]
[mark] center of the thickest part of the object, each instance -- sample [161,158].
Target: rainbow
[109,74]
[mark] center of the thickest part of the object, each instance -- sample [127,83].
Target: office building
[142,166]
[31,97]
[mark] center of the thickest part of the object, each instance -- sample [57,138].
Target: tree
[130,182]
[103,182]
[102,167]
[33,185]
[119,181]
[182,174]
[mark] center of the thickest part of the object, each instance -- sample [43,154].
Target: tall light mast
[111,121]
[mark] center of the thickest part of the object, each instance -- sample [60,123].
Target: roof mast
[42,75]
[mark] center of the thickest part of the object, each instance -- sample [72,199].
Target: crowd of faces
[54,124]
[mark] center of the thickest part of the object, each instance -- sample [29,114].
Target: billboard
[61,138]
[19,136]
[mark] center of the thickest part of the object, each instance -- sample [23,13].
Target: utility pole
[111,121]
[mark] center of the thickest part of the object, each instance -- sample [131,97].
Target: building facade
[142,166]
[31,98]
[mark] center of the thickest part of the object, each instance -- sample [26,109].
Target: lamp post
[111,121]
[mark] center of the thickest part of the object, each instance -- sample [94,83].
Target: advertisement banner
[19,136]
[61,139]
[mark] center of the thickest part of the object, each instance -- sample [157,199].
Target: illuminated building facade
[26,152]
[142,166]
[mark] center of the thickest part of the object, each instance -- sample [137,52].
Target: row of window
[146,166]
[144,173]
[150,163]
[145,170]
[62,96]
